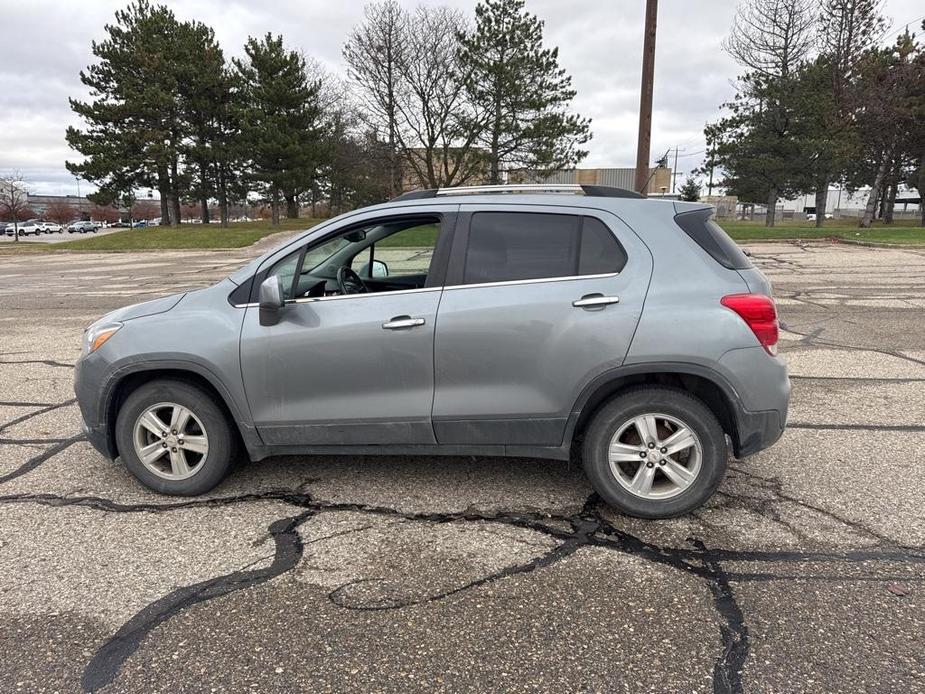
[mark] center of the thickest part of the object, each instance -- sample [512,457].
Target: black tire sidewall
[673,402]
[221,441]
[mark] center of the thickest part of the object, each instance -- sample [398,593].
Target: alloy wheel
[655,456]
[170,441]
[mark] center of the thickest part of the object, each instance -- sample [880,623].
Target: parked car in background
[631,330]
[31,228]
[140,224]
[3,228]
[81,228]
[50,227]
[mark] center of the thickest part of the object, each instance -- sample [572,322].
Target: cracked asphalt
[805,573]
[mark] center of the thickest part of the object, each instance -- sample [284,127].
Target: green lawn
[415,237]
[846,230]
[237,235]
[243,234]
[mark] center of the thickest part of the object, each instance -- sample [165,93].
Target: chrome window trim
[538,280]
[333,297]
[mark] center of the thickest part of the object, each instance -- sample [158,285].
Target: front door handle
[399,322]
[595,300]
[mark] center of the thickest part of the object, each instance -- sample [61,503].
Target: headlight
[96,335]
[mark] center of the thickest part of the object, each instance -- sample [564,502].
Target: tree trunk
[175,192]
[292,206]
[822,201]
[165,210]
[890,202]
[222,200]
[495,173]
[871,207]
[772,208]
[274,209]
[205,210]
[921,189]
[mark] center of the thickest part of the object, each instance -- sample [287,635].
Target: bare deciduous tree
[61,212]
[13,200]
[374,52]
[771,37]
[104,213]
[437,124]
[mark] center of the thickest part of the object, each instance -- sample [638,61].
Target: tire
[700,467]
[206,470]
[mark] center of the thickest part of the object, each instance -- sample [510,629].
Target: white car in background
[31,228]
[50,227]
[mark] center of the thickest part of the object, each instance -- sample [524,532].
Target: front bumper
[88,374]
[99,439]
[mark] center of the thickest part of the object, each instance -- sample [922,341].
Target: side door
[353,369]
[539,300]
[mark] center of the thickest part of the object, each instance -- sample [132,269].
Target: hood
[147,308]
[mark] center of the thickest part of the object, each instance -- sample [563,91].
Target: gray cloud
[46,43]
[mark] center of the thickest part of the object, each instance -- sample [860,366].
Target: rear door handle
[399,322]
[595,300]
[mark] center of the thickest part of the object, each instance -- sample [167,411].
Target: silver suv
[563,321]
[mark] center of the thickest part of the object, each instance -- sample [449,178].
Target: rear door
[539,300]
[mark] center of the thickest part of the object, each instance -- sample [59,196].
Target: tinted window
[506,246]
[711,238]
[600,252]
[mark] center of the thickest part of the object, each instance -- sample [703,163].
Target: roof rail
[574,188]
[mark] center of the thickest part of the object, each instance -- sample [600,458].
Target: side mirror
[380,269]
[271,300]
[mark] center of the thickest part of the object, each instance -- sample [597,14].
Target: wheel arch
[126,382]
[704,383]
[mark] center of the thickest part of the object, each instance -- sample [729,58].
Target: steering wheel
[349,282]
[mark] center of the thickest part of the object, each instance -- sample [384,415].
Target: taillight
[760,313]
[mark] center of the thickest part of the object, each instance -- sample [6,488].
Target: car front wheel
[655,452]
[174,438]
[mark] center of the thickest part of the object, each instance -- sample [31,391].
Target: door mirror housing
[271,300]
[380,269]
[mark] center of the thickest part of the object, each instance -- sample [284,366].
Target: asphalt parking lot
[806,573]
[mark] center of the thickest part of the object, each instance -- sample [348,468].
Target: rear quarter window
[711,238]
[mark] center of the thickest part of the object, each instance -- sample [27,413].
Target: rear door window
[511,246]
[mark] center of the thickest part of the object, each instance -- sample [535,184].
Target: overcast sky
[47,42]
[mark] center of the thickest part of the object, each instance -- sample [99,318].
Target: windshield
[318,256]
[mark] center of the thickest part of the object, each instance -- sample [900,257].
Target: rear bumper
[757,431]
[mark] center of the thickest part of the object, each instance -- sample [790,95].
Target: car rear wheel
[655,452]
[174,438]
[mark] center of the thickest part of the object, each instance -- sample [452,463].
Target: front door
[342,368]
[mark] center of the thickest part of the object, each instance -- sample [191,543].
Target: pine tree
[211,107]
[134,128]
[282,126]
[690,190]
[520,90]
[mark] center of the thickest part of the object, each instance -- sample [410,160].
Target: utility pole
[645,97]
[674,169]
